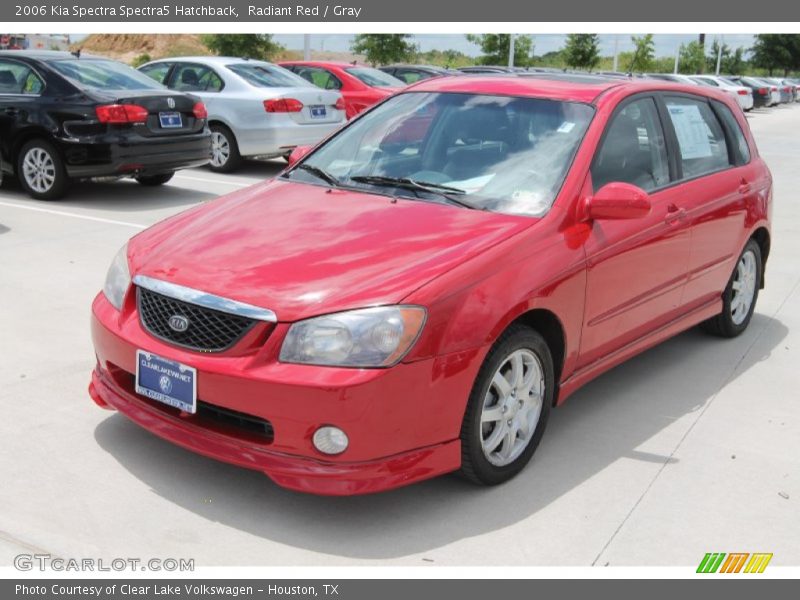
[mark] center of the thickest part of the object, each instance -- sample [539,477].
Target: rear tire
[508,408]
[225,156]
[41,172]
[154,180]
[740,295]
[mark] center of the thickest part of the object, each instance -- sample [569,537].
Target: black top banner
[382,11]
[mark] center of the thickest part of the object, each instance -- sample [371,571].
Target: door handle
[11,111]
[744,186]
[675,213]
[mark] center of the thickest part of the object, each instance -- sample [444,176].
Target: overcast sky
[666,45]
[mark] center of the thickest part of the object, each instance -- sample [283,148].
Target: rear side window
[266,75]
[701,138]
[18,78]
[736,135]
[319,77]
[633,149]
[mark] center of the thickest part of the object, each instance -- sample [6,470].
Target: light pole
[511,50]
[719,54]
[307,46]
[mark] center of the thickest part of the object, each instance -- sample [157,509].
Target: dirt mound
[127,46]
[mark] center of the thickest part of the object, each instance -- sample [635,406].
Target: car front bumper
[379,409]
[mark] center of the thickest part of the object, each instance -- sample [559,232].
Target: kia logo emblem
[178,323]
[170,102]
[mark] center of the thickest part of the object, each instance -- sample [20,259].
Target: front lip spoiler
[299,473]
[204,299]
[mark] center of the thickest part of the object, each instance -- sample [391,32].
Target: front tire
[740,295]
[225,156]
[41,171]
[508,408]
[155,180]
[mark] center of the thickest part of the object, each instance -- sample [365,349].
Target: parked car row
[66,117]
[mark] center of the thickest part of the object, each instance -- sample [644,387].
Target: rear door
[718,181]
[636,267]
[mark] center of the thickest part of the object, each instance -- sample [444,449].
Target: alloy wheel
[744,287]
[512,407]
[220,149]
[39,170]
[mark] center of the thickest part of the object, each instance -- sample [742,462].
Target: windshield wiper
[447,192]
[320,173]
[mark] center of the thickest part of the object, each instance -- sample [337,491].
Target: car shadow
[606,421]
[124,194]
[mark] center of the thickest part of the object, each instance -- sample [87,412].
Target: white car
[674,77]
[742,93]
[255,108]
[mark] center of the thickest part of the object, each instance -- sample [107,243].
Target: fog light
[330,440]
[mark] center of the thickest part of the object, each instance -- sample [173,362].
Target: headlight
[118,278]
[370,337]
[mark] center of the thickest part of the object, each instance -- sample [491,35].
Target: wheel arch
[23,138]
[551,329]
[762,237]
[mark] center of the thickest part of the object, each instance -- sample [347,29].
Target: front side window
[374,77]
[498,153]
[633,149]
[19,78]
[103,74]
[195,78]
[701,139]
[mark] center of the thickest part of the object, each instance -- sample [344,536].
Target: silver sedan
[255,108]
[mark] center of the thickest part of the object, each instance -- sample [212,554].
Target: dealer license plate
[166,381]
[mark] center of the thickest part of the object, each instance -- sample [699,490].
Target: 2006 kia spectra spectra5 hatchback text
[411,297]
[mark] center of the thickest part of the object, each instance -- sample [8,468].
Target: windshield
[497,153]
[374,77]
[104,75]
[266,75]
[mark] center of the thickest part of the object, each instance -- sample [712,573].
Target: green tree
[384,48]
[496,47]
[242,45]
[780,51]
[644,54]
[582,50]
[725,59]
[143,58]
[733,62]
[691,58]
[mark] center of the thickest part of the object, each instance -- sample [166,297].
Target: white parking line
[219,181]
[73,215]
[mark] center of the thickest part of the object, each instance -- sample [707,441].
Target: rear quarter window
[739,141]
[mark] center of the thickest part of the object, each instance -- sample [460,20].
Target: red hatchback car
[360,86]
[412,296]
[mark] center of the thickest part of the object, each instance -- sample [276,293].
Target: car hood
[303,250]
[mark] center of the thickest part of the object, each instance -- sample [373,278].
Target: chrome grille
[208,330]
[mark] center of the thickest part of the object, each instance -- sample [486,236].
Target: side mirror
[618,201]
[298,153]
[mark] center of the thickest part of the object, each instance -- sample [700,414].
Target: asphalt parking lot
[690,448]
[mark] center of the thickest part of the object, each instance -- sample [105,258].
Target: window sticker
[691,129]
[566,127]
